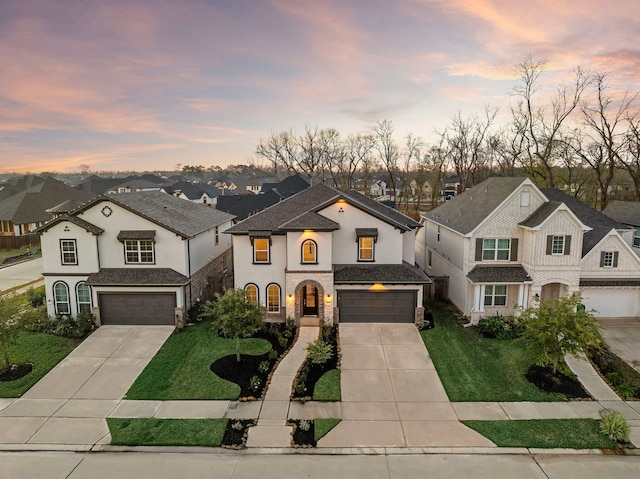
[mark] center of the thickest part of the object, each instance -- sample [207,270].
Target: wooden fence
[14,242]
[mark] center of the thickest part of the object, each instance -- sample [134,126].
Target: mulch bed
[302,437]
[315,372]
[545,379]
[16,371]
[235,435]
[241,372]
[618,374]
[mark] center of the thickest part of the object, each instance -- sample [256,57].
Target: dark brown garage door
[130,309]
[376,307]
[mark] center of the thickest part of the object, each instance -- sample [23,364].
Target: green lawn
[544,433]
[474,368]
[43,350]
[322,426]
[328,386]
[180,370]
[167,432]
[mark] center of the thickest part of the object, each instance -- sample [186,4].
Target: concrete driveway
[622,335]
[391,393]
[69,404]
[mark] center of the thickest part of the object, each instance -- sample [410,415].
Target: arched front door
[309,300]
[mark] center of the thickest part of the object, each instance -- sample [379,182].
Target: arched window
[273,298]
[251,292]
[309,251]
[61,298]
[83,297]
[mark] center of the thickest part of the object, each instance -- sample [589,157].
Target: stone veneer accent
[323,280]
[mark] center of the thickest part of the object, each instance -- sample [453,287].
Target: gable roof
[194,191]
[625,212]
[180,216]
[90,227]
[30,205]
[243,206]
[466,211]
[313,199]
[288,187]
[600,223]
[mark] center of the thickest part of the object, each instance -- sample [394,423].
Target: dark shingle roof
[312,221]
[499,274]
[541,214]
[243,206]
[65,206]
[378,273]
[288,187]
[91,228]
[464,212]
[600,223]
[625,212]
[137,277]
[314,199]
[136,235]
[183,217]
[610,282]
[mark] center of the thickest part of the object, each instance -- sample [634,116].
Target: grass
[474,368]
[544,433]
[181,369]
[328,387]
[322,426]
[43,350]
[166,432]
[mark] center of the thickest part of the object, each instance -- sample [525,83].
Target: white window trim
[496,249]
[553,244]
[78,302]
[493,294]
[255,250]
[275,310]
[74,251]
[315,252]
[138,251]
[252,285]
[636,238]
[372,249]
[607,260]
[56,303]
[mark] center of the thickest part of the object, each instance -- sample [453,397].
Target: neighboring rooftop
[625,212]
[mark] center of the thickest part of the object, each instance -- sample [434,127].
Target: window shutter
[615,259]
[513,256]
[549,243]
[602,259]
[478,249]
[567,245]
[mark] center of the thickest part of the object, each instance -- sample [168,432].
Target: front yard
[475,368]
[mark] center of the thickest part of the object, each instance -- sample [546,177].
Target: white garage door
[611,303]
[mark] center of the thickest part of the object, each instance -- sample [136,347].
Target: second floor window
[609,259]
[139,251]
[68,252]
[495,249]
[260,250]
[365,248]
[217,233]
[636,238]
[309,252]
[557,245]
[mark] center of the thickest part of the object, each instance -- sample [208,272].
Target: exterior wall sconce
[328,298]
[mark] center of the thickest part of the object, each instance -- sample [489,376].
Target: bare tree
[388,151]
[357,152]
[603,117]
[630,155]
[410,156]
[435,162]
[537,127]
[464,140]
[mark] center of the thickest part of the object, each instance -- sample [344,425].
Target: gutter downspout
[188,274]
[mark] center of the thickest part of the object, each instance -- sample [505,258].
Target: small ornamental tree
[10,325]
[558,327]
[234,316]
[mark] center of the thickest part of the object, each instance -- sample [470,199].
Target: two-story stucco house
[505,242]
[326,255]
[133,258]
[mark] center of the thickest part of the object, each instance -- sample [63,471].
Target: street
[21,273]
[240,465]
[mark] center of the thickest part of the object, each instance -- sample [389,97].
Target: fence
[14,242]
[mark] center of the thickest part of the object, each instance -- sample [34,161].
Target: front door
[309,301]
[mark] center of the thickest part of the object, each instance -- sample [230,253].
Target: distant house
[200,193]
[134,258]
[25,211]
[134,186]
[243,206]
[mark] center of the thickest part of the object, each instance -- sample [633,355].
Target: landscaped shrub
[68,327]
[37,320]
[35,298]
[615,426]
[319,352]
[626,391]
[255,383]
[621,377]
[195,313]
[501,327]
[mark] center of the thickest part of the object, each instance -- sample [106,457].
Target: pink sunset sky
[145,85]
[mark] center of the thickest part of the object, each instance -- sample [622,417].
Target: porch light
[378,287]
[327,298]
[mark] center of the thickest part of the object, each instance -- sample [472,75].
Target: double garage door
[362,306]
[137,308]
[611,303]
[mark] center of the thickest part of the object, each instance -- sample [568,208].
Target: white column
[477,298]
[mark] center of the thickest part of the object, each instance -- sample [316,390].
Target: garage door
[610,303]
[152,308]
[376,307]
